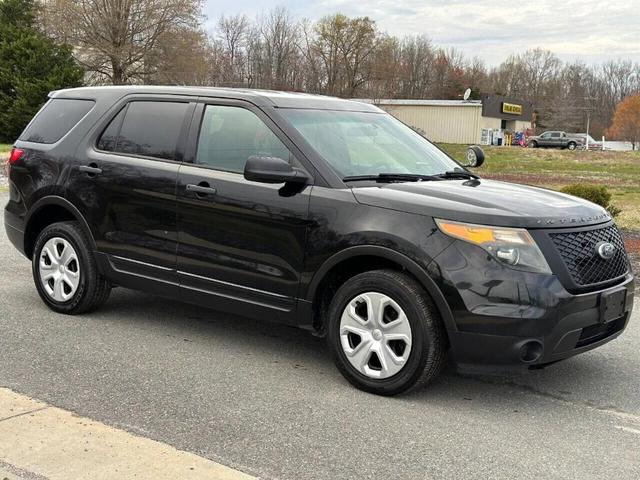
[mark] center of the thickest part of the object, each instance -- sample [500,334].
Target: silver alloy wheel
[59,269]
[472,158]
[375,335]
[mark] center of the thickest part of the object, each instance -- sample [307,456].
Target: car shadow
[586,379]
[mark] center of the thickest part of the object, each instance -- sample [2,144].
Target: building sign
[511,108]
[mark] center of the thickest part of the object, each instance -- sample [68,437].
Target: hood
[485,202]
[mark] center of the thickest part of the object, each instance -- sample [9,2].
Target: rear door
[240,242]
[126,183]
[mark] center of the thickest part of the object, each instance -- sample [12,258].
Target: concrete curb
[38,440]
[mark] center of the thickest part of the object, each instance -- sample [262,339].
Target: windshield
[358,143]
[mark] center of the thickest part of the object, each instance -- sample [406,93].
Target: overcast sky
[589,30]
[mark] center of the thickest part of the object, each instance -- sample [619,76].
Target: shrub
[594,193]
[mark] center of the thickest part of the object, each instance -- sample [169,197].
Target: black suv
[317,212]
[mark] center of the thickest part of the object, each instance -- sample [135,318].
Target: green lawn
[620,171]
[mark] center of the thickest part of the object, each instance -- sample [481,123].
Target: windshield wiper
[391,177]
[411,177]
[455,174]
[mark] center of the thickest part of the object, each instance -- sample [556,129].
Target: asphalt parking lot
[267,400]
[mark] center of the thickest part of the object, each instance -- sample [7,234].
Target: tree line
[164,42]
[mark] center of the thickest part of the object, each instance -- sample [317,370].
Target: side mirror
[475,157]
[272,170]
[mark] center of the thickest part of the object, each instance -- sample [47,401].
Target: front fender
[388,254]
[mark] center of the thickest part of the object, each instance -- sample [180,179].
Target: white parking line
[56,444]
[628,429]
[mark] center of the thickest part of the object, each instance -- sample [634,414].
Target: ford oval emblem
[605,250]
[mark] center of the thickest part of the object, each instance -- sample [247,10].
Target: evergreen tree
[31,65]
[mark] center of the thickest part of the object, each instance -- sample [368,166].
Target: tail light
[15,155]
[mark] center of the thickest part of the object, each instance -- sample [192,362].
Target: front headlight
[511,246]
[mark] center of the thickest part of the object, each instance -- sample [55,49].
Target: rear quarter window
[56,119]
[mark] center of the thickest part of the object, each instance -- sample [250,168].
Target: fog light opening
[531,351]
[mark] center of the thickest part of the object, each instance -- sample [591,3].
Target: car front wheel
[385,334]
[65,272]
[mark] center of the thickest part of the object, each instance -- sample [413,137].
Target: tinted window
[148,128]
[555,135]
[230,135]
[55,119]
[110,135]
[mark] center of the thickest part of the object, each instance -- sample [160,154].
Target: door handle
[91,169]
[202,189]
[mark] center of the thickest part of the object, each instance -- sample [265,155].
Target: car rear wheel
[385,334]
[533,144]
[571,146]
[65,272]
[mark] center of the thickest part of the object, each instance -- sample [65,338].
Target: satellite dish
[467,94]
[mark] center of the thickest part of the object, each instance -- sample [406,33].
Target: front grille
[586,267]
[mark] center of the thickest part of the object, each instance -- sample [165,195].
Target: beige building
[459,121]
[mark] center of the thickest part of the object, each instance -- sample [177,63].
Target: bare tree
[184,57]
[279,35]
[161,41]
[116,39]
[232,33]
[417,59]
[345,47]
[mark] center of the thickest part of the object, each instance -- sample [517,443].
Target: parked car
[555,139]
[589,141]
[318,212]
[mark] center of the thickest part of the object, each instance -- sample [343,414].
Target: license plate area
[612,304]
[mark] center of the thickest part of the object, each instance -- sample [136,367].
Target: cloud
[588,30]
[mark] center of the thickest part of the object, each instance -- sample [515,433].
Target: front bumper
[508,318]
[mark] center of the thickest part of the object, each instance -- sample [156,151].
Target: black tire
[533,144]
[429,342]
[93,289]
[572,145]
[478,154]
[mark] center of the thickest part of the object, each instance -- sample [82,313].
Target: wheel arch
[358,259]
[48,210]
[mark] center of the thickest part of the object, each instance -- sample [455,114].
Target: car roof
[271,98]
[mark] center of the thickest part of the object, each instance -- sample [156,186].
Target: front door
[240,242]
[545,140]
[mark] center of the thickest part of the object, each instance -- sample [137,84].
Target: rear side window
[145,128]
[56,119]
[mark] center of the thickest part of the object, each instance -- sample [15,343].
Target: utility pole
[587,108]
[588,121]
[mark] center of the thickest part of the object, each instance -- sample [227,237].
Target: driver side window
[230,135]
